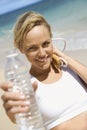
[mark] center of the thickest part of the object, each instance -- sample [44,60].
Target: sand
[5,123]
[79,55]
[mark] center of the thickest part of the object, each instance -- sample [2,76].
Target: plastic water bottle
[17,72]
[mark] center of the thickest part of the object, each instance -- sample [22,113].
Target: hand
[14,102]
[59,59]
[58,53]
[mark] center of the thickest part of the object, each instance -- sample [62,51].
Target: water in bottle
[17,72]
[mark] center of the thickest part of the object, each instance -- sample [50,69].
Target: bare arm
[77,67]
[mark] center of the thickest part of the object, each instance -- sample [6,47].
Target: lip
[42,60]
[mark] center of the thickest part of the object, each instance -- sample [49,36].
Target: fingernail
[22,96]
[27,103]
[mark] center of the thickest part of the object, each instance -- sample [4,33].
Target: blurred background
[68,19]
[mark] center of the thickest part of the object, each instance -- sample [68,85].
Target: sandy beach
[79,55]
[5,123]
[68,19]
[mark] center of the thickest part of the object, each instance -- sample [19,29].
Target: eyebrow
[48,40]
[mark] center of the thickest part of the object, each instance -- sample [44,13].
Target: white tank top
[62,100]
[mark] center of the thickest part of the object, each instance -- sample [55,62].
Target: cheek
[51,50]
[30,57]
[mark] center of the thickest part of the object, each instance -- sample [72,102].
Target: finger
[35,85]
[9,104]
[12,96]
[57,51]
[6,86]
[17,109]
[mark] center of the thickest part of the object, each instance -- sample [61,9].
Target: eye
[46,44]
[31,49]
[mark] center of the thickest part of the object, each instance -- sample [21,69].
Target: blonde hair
[24,24]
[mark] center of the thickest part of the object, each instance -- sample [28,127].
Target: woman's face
[38,47]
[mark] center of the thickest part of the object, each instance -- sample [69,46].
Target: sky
[10,5]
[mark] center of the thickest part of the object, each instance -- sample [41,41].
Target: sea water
[68,19]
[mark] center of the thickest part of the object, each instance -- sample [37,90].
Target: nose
[41,52]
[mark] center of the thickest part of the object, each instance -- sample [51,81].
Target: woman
[61,92]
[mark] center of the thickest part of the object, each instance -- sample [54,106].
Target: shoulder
[68,71]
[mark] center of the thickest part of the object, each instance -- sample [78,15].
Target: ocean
[68,19]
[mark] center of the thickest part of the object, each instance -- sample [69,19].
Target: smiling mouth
[42,60]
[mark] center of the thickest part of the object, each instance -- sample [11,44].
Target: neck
[40,74]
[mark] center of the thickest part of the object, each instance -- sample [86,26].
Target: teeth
[41,60]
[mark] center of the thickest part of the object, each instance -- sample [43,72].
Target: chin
[45,67]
